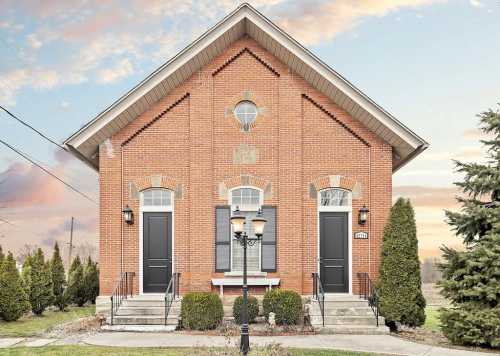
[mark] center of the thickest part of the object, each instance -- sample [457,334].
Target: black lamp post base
[245,340]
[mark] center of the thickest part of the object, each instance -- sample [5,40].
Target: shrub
[13,299]
[401,298]
[38,283]
[91,280]
[201,310]
[58,279]
[76,292]
[286,304]
[253,309]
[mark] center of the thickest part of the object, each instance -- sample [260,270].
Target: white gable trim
[85,142]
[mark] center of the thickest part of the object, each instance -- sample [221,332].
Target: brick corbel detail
[336,181]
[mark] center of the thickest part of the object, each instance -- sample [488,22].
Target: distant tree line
[44,283]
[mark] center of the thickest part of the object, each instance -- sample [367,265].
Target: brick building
[244,116]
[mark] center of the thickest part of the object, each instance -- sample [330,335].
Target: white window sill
[249,274]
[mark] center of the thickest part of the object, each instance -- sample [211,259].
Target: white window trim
[245,208]
[347,209]
[153,209]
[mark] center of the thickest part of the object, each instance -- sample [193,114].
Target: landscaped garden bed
[49,321]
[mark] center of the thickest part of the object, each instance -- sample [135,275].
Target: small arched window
[246,198]
[335,197]
[156,197]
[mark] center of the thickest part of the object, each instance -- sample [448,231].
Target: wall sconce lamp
[128,215]
[363,215]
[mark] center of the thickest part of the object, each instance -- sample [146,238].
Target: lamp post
[258,223]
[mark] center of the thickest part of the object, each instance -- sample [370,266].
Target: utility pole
[70,248]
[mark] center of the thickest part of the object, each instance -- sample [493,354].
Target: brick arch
[245,180]
[155,181]
[336,181]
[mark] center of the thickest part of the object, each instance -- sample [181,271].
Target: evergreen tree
[40,283]
[2,256]
[91,280]
[26,275]
[399,288]
[75,292]
[471,278]
[13,299]
[58,278]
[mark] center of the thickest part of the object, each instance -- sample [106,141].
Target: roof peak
[85,142]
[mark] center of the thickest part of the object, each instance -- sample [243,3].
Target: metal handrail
[171,293]
[368,291]
[123,289]
[319,294]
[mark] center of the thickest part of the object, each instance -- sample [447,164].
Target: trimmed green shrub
[286,304]
[253,309]
[39,283]
[13,300]
[91,280]
[399,286]
[76,292]
[58,279]
[201,310]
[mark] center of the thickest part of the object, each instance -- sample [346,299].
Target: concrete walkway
[368,343]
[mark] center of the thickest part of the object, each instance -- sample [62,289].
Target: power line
[25,156]
[7,222]
[32,128]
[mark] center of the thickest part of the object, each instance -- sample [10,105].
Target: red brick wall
[300,137]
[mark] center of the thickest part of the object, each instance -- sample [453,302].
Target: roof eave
[410,157]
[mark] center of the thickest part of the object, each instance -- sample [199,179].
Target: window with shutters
[249,201]
[228,251]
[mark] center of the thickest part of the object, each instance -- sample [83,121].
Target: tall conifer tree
[76,290]
[13,299]
[400,292]
[40,283]
[58,278]
[471,278]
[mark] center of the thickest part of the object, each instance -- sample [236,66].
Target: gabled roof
[245,20]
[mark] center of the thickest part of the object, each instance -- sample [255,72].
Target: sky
[431,63]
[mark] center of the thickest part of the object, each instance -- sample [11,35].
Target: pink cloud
[25,185]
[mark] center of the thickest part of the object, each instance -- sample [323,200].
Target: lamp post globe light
[238,223]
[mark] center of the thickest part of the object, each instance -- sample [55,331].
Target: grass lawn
[431,318]
[109,351]
[32,325]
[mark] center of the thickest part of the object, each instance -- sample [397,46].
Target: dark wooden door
[334,252]
[157,252]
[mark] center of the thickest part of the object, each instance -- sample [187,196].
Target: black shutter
[269,240]
[222,239]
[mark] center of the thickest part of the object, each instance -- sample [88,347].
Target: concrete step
[343,303]
[141,310]
[147,297]
[353,329]
[345,320]
[140,328]
[147,303]
[358,311]
[142,320]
